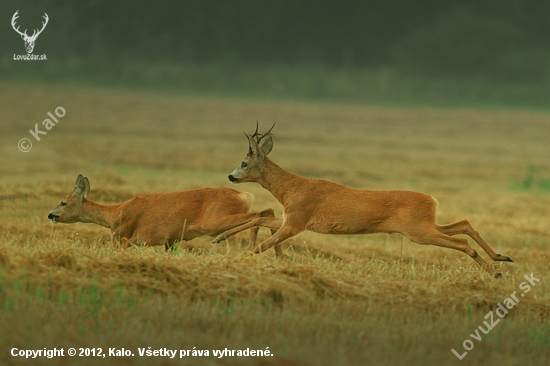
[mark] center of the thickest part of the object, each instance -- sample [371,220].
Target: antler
[24,34]
[35,34]
[258,136]
[13,19]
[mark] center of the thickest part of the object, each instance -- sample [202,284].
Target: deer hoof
[503,258]
[218,239]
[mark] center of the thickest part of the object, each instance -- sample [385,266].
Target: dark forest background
[494,51]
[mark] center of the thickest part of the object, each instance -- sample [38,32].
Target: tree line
[503,40]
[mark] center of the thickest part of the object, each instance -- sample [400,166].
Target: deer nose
[232,178]
[50,216]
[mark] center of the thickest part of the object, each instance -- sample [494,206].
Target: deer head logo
[29,40]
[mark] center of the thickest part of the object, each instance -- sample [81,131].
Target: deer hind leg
[464,227]
[218,225]
[271,222]
[431,236]
[239,223]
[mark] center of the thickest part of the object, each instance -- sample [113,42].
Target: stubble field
[346,300]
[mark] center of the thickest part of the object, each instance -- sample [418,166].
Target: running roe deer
[162,218]
[327,207]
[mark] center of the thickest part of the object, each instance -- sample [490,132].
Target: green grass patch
[533,180]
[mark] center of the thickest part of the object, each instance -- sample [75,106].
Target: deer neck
[279,182]
[97,214]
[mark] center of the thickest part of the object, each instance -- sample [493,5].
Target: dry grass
[335,300]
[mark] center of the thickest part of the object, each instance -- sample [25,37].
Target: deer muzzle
[53,218]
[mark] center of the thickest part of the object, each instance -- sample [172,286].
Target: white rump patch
[247,198]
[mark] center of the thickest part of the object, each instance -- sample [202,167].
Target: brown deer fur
[327,207]
[161,218]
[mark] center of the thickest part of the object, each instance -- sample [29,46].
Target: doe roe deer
[162,218]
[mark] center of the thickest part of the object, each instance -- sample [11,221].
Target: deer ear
[252,145]
[267,145]
[82,186]
[87,187]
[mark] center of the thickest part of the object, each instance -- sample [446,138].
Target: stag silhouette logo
[29,40]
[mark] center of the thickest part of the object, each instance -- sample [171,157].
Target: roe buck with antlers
[29,40]
[162,218]
[327,207]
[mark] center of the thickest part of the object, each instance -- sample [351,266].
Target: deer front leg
[254,231]
[254,235]
[113,239]
[125,243]
[116,238]
[285,232]
[169,245]
[278,249]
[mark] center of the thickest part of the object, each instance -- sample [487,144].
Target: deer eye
[244,165]
[63,203]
